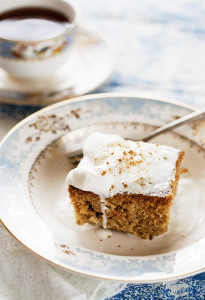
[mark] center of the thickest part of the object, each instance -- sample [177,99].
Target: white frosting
[103,209]
[113,165]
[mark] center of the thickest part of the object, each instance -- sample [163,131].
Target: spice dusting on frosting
[113,165]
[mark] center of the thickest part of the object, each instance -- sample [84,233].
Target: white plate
[34,205]
[90,64]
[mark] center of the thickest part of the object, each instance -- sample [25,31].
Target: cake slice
[125,185]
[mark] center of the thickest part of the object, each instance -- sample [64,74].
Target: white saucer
[91,63]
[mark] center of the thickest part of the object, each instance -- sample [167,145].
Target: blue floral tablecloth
[185,289]
[160,52]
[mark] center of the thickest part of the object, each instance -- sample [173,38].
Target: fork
[76,155]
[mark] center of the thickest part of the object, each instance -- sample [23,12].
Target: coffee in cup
[36,36]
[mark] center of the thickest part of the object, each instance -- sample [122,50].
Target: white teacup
[38,59]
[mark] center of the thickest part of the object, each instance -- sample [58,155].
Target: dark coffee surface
[32,24]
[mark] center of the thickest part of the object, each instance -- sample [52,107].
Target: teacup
[38,59]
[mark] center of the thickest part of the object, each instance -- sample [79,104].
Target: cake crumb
[112,187]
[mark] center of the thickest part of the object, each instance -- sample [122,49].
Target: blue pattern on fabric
[190,288]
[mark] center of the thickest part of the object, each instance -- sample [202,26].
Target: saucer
[90,64]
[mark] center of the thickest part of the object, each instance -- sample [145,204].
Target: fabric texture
[24,275]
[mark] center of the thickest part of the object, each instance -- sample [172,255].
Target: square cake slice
[125,185]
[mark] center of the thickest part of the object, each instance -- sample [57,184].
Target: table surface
[159,48]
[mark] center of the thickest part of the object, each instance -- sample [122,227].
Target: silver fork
[76,155]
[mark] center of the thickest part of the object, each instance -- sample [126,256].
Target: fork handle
[196,115]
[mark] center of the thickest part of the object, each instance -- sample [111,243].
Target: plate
[90,64]
[35,208]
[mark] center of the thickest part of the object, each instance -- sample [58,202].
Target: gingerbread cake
[125,185]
